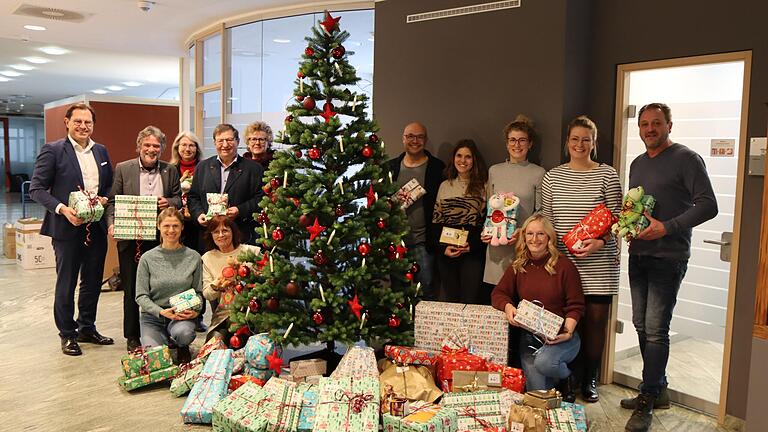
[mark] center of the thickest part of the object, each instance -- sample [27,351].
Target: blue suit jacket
[57,173]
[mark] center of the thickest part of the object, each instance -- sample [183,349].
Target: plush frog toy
[631,219]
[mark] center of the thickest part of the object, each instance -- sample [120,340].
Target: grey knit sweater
[163,273]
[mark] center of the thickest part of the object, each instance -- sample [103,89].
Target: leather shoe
[133,343]
[183,355]
[95,338]
[70,347]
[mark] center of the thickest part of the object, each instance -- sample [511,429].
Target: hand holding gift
[501,219]
[633,218]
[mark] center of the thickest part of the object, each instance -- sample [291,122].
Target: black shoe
[183,355]
[133,343]
[661,401]
[200,327]
[70,347]
[589,386]
[642,416]
[566,387]
[95,338]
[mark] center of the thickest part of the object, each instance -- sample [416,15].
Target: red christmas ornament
[373,138]
[239,287]
[254,305]
[275,183]
[273,303]
[338,52]
[234,342]
[401,251]
[355,306]
[381,224]
[288,118]
[364,249]
[262,218]
[228,272]
[292,289]
[320,258]
[275,362]
[300,74]
[391,248]
[394,321]
[415,267]
[305,220]
[400,305]
[243,331]
[392,256]
[300,98]
[295,201]
[297,153]
[315,230]
[328,112]
[309,103]
[330,23]
[409,276]
[314,153]
[367,151]
[339,211]
[309,51]
[277,234]
[371,195]
[318,317]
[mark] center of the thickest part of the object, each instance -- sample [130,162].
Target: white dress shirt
[88,167]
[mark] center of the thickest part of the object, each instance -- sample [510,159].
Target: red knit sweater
[560,293]
[187,166]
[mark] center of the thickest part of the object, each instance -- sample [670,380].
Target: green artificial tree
[333,267]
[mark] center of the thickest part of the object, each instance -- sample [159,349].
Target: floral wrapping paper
[538,320]
[594,225]
[477,411]
[423,418]
[155,376]
[309,401]
[348,404]
[217,205]
[284,416]
[186,300]
[358,362]
[186,378]
[146,360]
[304,368]
[579,415]
[459,360]
[561,420]
[410,356]
[258,347]
[135,217]
[243,410]
[511,378]
[87,206]
[211,387]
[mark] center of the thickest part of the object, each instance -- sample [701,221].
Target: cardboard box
[33,251]
[9,241]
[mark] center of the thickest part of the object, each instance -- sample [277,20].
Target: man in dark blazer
[229,173]
[145,175]
[65,166]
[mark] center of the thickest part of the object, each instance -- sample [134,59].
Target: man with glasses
[228,173]
[68,165]
[417,163]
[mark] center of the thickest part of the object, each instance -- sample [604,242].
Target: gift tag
[494,379]
[402,369]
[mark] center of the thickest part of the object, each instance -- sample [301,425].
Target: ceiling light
[114,88]
[37,60]
[54,50]
[22,67]
[35,27]
[283,41]
[131,83]
[10,73]
[4,79]
[99,91]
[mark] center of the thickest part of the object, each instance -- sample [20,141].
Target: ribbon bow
[470,412]
[357,401]
[141,352]
[93,199]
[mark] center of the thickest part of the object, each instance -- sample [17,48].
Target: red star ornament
[371,195]
[275,362]
[355,306]
[330,23]
[264,261]
[315,230]
[328,112]
[401,251]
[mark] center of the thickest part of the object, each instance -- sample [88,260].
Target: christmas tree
[333,266]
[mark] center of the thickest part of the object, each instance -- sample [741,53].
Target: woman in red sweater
[539,272]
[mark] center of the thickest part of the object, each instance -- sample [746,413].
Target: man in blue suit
[62,167]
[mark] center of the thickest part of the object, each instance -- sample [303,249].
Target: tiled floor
[43,390]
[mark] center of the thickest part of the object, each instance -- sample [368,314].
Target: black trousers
[73,258]
[127,257]
[461,278]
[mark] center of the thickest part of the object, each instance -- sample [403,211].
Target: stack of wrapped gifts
[135,217]
[146,366]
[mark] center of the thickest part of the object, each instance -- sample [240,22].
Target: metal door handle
[715,242]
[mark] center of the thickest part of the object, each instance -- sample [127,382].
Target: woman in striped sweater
[569,192]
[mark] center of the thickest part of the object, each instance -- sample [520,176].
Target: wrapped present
[533,419]
[477,411]
[507,398]
[212,344]
[309,401]
[412,382]
[594,225]
[86,205]
[632,218]
[217,205]
[536,319]
[472,381]
[410,356]
[409,193]
[358,362]
[238,381]
[304,368]
[243,410]
[144,360]
[501,218]
[348,404]
[515,427]
[453,236]
[287,397]
[185,301]
[240,361]
[511,378]
[186,378]
[486,329]
[544,399]
[579,415]
[153,377]
[258,347]
[450,361]
[561,419]
[211,387]
[258,373]
[135,217]
[424,418]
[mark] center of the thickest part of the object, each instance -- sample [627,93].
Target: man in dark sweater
[658,258]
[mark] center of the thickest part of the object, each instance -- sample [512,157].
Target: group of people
[577,285]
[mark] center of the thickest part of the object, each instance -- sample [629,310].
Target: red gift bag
[594,225]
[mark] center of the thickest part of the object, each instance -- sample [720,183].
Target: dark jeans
[654,283]
[126,252]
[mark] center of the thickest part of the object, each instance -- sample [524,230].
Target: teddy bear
[501,217]
[631,219]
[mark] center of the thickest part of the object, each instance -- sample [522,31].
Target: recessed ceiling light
[114,88]
[4,79]
[54,50]
[23,67]
[283,41]
[131,83]
[35,27]
[37,60]
[10,73]
[99,91]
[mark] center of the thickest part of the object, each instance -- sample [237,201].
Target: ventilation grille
[466,10]
[48,13]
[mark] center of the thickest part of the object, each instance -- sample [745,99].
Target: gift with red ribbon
[243,410]
[144,360]
[451,360]
[238,381]
[348,404]
[410,356]
[594,225]
[511,378]
[211,387]
[477,411]
[287,397]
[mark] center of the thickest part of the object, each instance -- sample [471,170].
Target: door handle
[719,243]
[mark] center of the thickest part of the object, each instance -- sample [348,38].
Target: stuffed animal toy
[631,219]
[501,218]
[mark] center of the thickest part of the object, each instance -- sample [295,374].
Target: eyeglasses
[257,140]
[535,234]
[86,123]
[518,141]
[412,137]
[226,140]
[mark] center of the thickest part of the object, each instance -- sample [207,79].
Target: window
[211,118]
[212,60]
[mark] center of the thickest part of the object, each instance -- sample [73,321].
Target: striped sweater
[566,197]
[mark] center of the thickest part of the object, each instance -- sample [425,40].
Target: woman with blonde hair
[540,273]
[258,138]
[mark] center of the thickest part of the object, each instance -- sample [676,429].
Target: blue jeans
[160,331]
[654,283]
[550,364]
[426,264]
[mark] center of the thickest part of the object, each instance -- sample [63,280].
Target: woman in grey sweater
[164,271]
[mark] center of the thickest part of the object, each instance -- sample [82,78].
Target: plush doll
[501,219]
[631,219]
